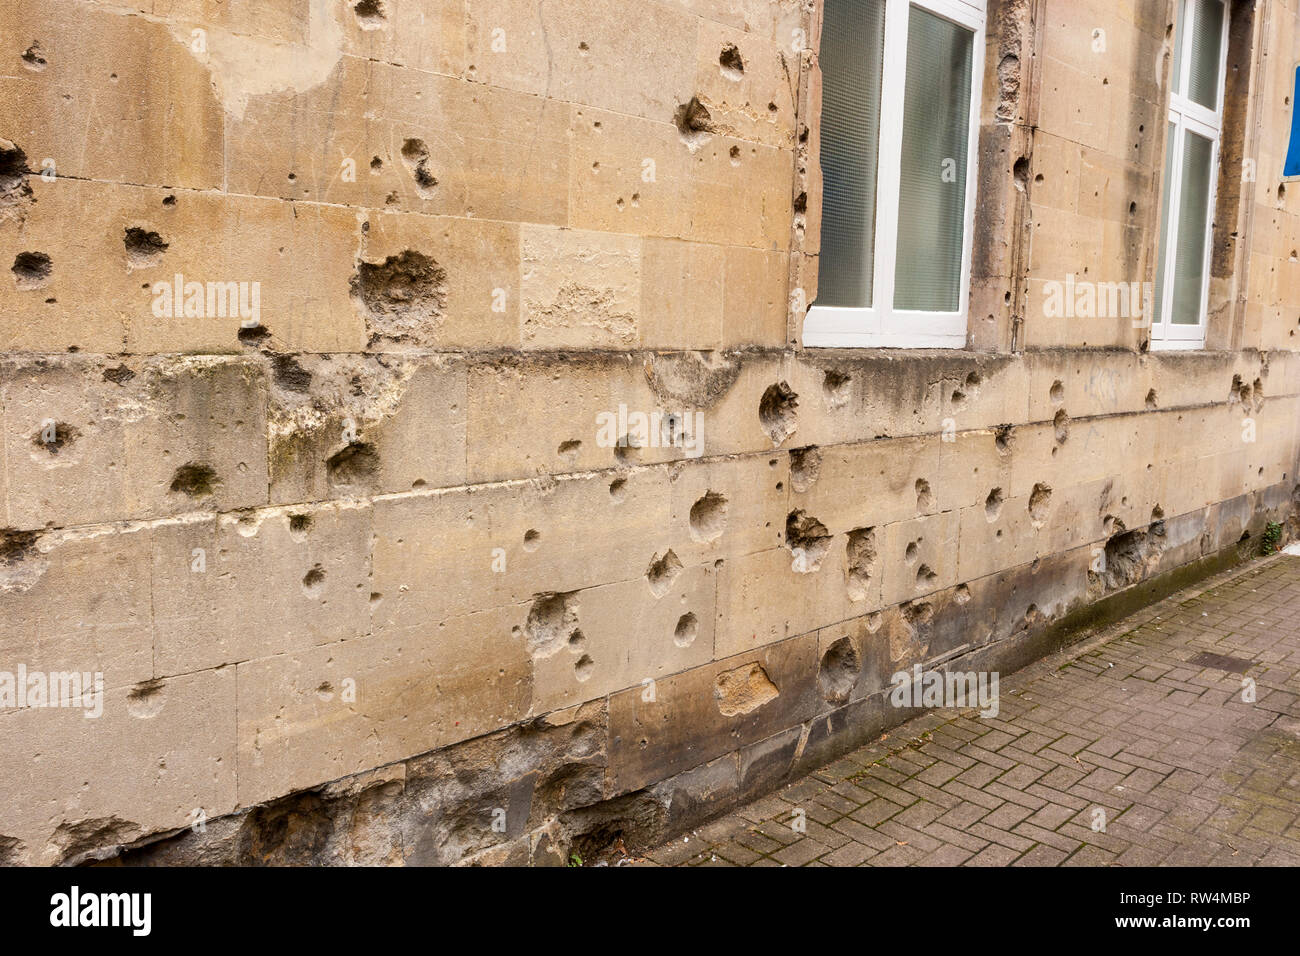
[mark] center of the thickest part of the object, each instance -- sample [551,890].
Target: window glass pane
[1207,42]
[932,185]
[1178,47]
[853,34]
[1165,210]
[1193,207]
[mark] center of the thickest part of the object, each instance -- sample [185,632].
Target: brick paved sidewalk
[1127,725]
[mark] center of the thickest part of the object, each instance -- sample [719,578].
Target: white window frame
[1189,116]
[881,325]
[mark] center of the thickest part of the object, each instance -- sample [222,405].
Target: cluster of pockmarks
[403,299]
[535,792]
[1251,397]
[324,411]
[777,412]
[415,156]
[552,626]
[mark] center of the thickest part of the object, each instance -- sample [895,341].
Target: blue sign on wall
[1292,167]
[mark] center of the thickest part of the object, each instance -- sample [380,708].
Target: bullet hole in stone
[401,298]
[801,203]
[924,497]
[293,177]
[835,388]
[776,412]
[618,490]
[662,571]
[805,467]
[1151,400]
[912,553]
[354,464]
[688,628]
[195,479]
[993,505]
[693,123]
[31,270]
[1132,209]
[376,165]
[289,375]
[418,484]
[583,48]
[145,699]
[568,450]
[772,107]
[973,381]
[1157,514]
[1021,173]
[299,525]
[962,594]
[577,642]
[808,540]
[118,376]
[54,438]
[780,486]
[371,14]
[391,199]
[735,155]
[1057,393]
[730,62]
[958,400]
[925,577]
[1061,426]
[860,554]
[32,58]
[313,582]
[1003,439]
[999,534]
[17,546]
[838,673]
[143,247]
[169,201]
[1039,500]
[532,539]
[1038,178]
[416,157]
[1281,192]
[254,335]
[708,518]
[552,622]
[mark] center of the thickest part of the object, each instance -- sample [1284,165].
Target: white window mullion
[891,137]
[1160,330]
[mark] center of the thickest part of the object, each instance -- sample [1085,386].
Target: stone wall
[365,568]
